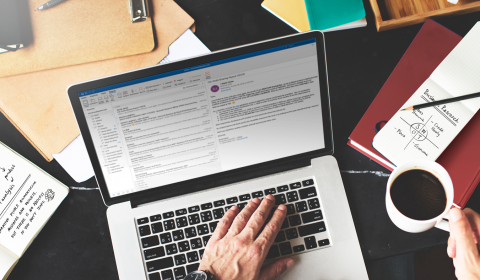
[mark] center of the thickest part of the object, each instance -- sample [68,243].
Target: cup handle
[443,223]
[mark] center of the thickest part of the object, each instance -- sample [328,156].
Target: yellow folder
[292,12]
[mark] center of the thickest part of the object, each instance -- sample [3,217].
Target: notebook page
[7,261]
[426,133]
[459,73]
[423,133]
[28,197]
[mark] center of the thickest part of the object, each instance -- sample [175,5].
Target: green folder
[324,14]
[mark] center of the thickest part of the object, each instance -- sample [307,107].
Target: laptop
[174,146]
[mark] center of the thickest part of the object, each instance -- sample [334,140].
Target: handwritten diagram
[419,131]
[425,133]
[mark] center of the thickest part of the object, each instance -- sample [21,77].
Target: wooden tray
[390,14]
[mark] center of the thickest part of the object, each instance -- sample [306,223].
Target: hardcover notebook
[462,157]
[325,14]
[28,199]
[426,133]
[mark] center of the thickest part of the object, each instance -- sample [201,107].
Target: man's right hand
[463,244]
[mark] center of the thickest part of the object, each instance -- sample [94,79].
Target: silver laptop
[175,146]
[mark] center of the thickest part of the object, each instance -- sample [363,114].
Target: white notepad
[426,133]
[28,198]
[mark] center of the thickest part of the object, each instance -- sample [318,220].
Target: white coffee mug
[408,224]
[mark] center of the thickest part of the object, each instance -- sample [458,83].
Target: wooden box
[390,14]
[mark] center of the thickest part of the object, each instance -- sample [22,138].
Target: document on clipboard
[426,133]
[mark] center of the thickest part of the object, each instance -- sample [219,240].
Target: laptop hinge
[195,186]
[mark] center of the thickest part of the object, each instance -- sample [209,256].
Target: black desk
[75,243]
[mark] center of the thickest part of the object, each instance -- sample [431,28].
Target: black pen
[443,101]
[49,4]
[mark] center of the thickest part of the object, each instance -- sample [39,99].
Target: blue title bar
[194,68]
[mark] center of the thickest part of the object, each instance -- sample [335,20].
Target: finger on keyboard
[259,218]
[242,218]
[225,223]
[267,236]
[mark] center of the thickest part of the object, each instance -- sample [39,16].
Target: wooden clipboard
[76,32]
[37,103]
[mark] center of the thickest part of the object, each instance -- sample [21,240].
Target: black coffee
[418,194]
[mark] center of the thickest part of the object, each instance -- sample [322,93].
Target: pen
[443,101]
[49,4]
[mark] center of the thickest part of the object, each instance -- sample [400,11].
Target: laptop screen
[206,119]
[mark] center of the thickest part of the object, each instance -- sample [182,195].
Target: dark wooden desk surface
[75,243]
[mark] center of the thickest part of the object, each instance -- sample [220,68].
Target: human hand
[236,253]
[463,245]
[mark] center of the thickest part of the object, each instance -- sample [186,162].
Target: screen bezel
[208,181]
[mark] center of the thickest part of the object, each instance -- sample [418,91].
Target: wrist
[200,275]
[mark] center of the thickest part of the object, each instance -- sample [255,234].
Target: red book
[462,157]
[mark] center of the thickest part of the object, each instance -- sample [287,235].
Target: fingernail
[270,197]
[455,215]
[282,207]
[290,263]
[234,207]
[256,200]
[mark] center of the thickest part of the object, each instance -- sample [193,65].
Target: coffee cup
[415,185]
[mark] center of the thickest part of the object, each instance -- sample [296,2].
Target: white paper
[426,133]
[28,197]
[187,45]
[7,260]
[74,158]
[355,24]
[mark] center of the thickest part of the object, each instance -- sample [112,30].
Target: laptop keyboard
[173,242]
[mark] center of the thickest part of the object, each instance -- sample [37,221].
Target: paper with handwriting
[28,197]
[426,133]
